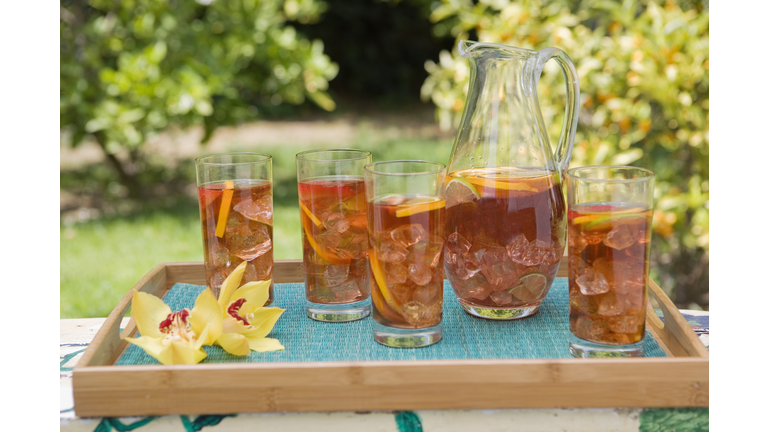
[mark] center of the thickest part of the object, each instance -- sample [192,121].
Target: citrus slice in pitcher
[459,191]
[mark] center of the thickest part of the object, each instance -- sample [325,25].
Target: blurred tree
[131,69]
[380,46]
[644,74]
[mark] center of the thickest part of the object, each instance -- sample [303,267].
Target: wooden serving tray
[102,389]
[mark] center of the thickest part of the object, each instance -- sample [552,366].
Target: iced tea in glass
[406,216]
[609,234]
[334,222]
[235,197]
[505,236]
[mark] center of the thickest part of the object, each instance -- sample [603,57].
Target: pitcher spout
[470,49]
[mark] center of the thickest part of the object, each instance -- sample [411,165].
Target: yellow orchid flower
[246,322]
[176,337]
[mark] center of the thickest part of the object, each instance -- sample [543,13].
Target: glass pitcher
[505,210]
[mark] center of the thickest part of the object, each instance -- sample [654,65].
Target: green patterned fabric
[543,335]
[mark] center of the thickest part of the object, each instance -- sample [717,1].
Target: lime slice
[530,288]
[420,205]
[460,191]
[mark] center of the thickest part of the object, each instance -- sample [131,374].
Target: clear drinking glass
[334,227]
[235,196]
[609,242]
[406,213]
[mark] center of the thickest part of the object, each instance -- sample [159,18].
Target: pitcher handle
[568,133]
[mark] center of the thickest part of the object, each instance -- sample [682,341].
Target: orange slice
[331,258]
[381,282]
[311,216]
[503,185]
[383,307]
[226,200]
[422,204]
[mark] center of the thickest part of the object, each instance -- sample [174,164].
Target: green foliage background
[134,69]
[643,68]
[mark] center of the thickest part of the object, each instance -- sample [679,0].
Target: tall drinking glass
[609,239]
[334,228]
[406,216]
[235,196]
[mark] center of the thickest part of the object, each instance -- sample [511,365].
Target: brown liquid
[607,272]
[335,240]
[246,233]
[503,247]
[406,263]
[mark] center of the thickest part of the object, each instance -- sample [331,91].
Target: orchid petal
[254,292]
[248,308]
[233,343]
[263,321]
[181,353]
[148,312]
[230,284]
[231,325]
[206,315]
[151,345]
[265,344]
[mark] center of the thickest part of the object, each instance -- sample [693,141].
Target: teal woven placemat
[543,335]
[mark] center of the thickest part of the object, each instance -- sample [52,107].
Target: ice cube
[395,273]
[259,269]
[589,329]
[501,298]
[259,210]
[592,283]
[347,292]
[407,235]
[402,292]
[419,274]
[219,256]
[457,244]
[216,281]
[336,222]
[419,315]
[336,274]
[621,237]
[624,324]
[496,268]
[392,252]
[254,252]
[517,248]
[611,305]
[329,239]
[428,294]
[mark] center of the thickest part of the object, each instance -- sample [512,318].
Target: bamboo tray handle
[674,331]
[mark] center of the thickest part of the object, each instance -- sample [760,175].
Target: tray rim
[97,381]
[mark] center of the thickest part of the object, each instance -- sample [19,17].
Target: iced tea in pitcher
[505,236]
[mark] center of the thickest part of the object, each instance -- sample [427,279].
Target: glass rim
[440,167]
[649,175]
[365,154]
[208,159]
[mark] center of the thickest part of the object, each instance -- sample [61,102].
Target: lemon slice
[530,288]
[311,216]
[602,220]
[420,205]
[226,200]
[503,185]
[458,191]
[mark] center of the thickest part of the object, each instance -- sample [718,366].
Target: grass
[102,259]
